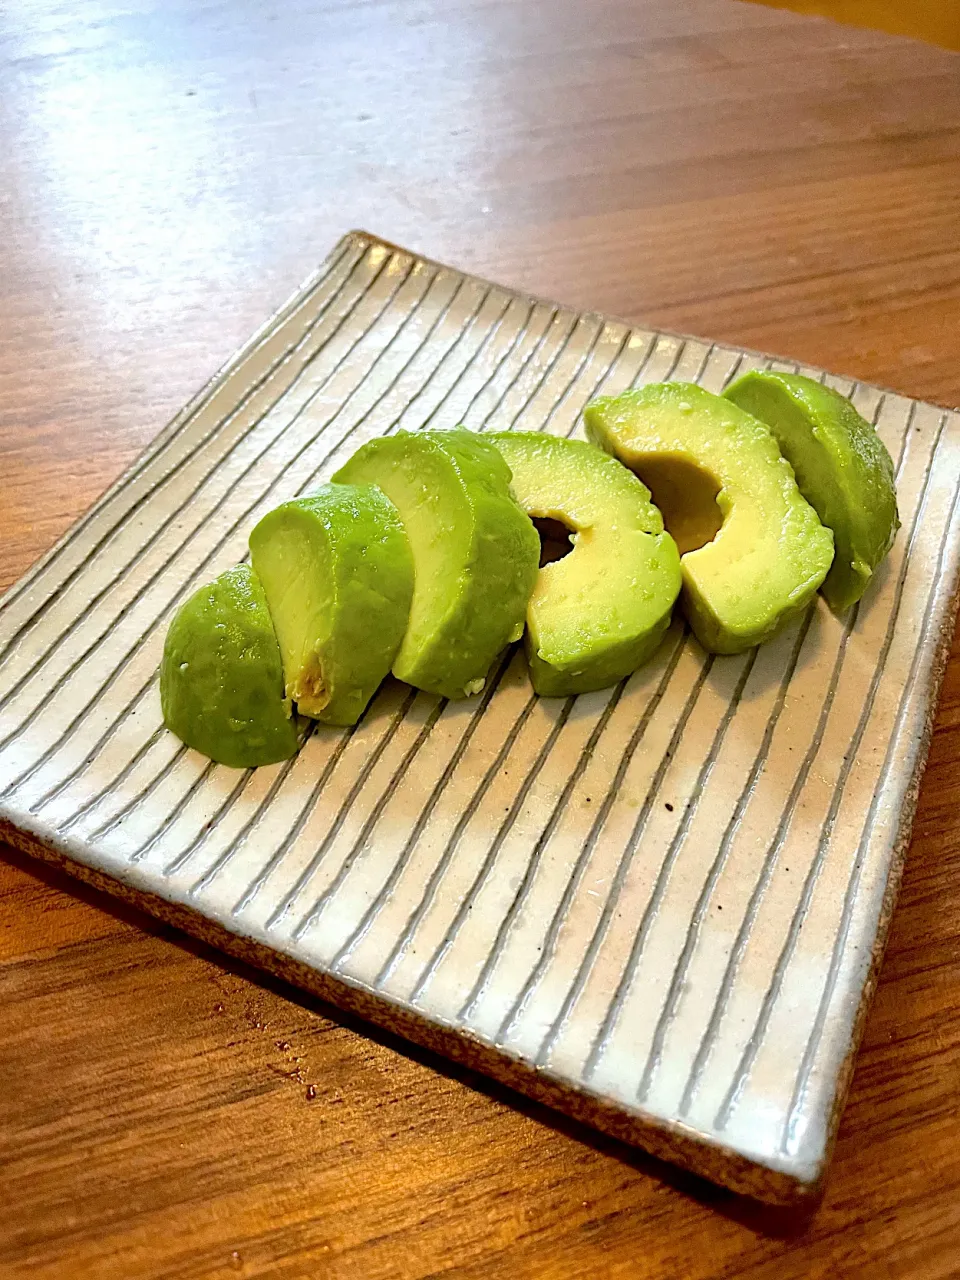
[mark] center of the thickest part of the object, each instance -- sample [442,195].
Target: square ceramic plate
[659,907]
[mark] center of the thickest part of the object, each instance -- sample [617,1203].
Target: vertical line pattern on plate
[548,948]
[117,780]
[613,896]
[422,819]
[281,909]
[544,376]
[229,853]
[578,370]
[675,989]
[314,912]
[210,826]
[311,915]
[612,1015]
[770,997]
[486,866]
[810,1052]
[493,956]
[607,374]
[440,868]
[313,796]
[772,853]
[528,359]
[463,821]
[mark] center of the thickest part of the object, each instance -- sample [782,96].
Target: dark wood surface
[168,173]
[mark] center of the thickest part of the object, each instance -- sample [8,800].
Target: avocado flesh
[338,577]
[221,679]
[842,468]
[601,611]
[475,552]
[771,552]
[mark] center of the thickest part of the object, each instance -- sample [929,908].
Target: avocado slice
[338,577]
[475,552]
[753,554]
[599,612]
[842,468]
[221,680]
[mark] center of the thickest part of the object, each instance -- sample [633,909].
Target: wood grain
[168,173]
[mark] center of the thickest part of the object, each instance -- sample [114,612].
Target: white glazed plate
[659,907]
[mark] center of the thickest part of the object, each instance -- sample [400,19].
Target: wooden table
[170,170]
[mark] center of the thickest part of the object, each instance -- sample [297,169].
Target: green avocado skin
[338,576]
[221,679]
[842,467]
[476,553]
[600,612]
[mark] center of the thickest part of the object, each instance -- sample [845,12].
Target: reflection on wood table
[169,173]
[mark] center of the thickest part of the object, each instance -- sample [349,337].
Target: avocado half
[221,678]
[842,468]
[475,552]
[338,578]
[599,612]
[761,552]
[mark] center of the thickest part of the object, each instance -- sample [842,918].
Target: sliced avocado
[338,577]
[770,552]
[221,680]
[599,612]
[475,552]
[842,468]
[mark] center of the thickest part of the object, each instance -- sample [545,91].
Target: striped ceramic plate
[658,907]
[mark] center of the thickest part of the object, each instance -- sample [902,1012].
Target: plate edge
[674,1144]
